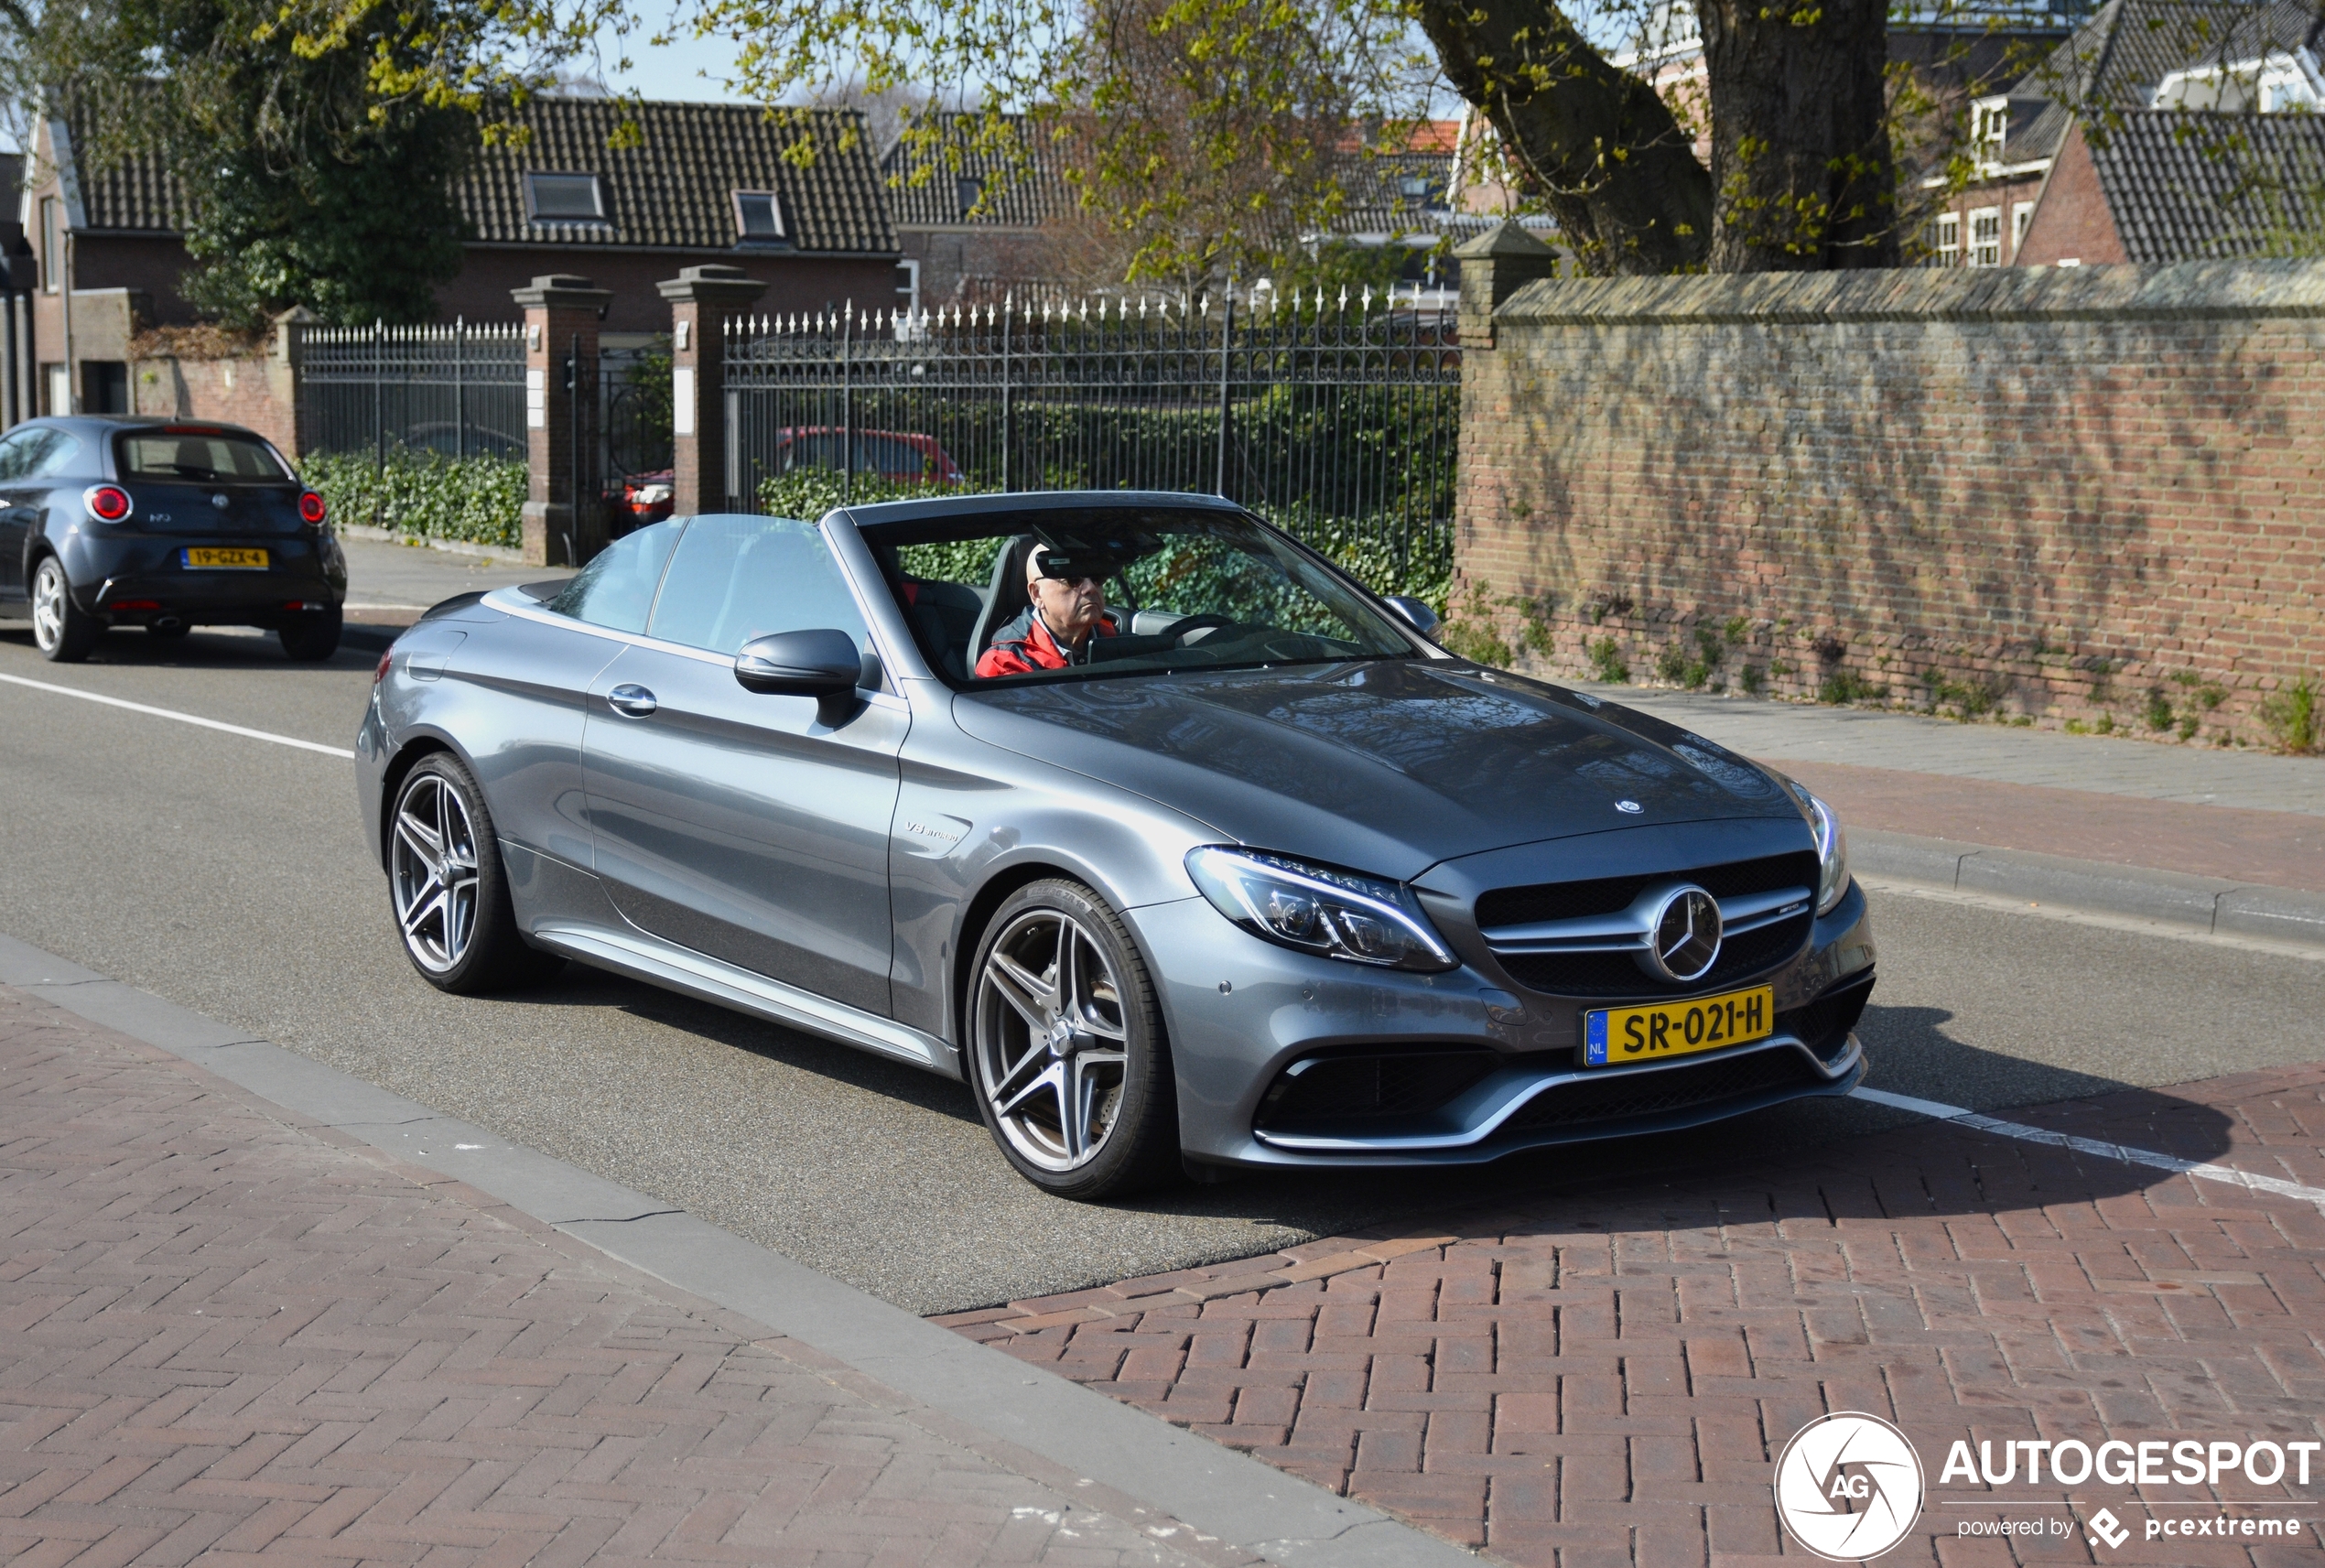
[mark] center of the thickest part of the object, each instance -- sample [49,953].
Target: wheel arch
[978,917]
[407,756]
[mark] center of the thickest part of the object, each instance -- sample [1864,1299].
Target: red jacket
[1025,644]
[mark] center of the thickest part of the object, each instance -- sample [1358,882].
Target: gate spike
[1367,296]
[1344,299]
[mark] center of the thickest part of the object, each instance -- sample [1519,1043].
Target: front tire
[1067,1058]
[59,630]
[313,638]
[448,889]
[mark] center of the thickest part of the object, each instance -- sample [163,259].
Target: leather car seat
[1007,599]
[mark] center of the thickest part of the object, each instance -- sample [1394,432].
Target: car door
[736,824]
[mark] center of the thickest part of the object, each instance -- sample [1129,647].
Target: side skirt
[644,958]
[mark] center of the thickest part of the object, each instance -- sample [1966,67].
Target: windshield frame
[882,537]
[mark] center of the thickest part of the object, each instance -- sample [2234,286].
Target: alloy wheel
[48,604]
[1052,1046]
[433,870]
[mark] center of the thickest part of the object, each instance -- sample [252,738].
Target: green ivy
[424,495]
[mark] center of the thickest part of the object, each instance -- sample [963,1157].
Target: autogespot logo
[1848,1486]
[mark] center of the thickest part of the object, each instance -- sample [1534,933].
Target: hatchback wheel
[313,638]
[62,634]
[449,891]
[1068,1056]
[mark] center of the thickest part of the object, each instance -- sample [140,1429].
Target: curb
[514,553]
[2173,898]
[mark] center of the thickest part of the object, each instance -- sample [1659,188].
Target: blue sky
[689,69]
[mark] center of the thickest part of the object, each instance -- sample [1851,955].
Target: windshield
[1068,595]
[204,456]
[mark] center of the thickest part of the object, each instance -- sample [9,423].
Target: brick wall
[2056,495]
[248,390]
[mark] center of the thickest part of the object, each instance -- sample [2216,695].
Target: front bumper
[1243,1012]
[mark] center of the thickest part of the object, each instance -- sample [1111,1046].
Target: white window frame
[2021,220]
[1948,248]
[1984,248]
[910,266]
[532,204]
[774,207]
[52,244]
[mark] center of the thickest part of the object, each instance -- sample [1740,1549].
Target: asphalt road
[228,874]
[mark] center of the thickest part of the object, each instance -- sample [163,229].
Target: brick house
[2207,149]
[970,222]
[708,183]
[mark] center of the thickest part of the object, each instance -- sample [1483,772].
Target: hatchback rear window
[200,459]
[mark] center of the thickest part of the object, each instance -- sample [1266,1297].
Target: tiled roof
[676,189]
[2185,187]
[2115,59]
[1378,201]
[923,184]
[138,193]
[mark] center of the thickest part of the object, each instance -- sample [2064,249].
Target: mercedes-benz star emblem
[1683,935]
[219,501]
[1629,808]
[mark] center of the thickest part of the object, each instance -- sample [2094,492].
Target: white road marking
[351,605]
[2104,1150]
[183,717]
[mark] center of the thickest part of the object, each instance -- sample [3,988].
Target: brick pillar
[1494,266]
[561,529]
[701,297]
[284,367]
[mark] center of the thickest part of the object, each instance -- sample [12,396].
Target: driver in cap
[1066,614]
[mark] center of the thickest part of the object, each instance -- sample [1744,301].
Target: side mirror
[1422,619]
[822,663]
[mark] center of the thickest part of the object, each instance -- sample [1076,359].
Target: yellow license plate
[227,560]
[1615,1035]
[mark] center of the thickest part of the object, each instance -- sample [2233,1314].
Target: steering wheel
[1204,622]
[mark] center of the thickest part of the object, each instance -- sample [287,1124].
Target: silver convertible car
[1182,849]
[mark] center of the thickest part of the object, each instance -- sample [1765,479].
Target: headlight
[1336,914]
[1831,854]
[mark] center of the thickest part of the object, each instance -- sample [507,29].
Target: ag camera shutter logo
[1848,1486]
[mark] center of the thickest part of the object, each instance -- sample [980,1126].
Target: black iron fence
[1337,418]
[456,391]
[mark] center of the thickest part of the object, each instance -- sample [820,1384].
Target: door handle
[632,701]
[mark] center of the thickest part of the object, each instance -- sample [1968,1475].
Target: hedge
[424,495]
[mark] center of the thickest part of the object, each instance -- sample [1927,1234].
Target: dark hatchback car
[114,520]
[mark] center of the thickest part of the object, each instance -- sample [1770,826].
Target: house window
[1993,124]
[1946,241]
[2021,215]
[966,194]
[1985,237]
[908,286]
[52,245]
[565,197]
[759,215]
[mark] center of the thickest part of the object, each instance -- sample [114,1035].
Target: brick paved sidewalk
[1605,1374]
[231,1335]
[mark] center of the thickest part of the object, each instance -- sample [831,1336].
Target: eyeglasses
[1075,581]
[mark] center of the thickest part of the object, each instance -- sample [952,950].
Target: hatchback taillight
[311,510]
[387,662]
[107,502]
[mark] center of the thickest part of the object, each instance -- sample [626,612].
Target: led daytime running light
[1336,914]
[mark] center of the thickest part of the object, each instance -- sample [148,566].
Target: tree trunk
[1595,144]
[1800,135]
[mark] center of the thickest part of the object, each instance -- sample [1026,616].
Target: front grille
[1824,1023]
[1663,1091]
[1602,975]
[1337,1091]
[1611,895]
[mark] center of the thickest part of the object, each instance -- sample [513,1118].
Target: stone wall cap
[561,290]
[2182,291]
[1507,238]
[712,283]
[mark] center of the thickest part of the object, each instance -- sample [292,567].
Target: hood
[1386,767]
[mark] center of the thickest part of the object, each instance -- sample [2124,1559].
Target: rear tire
[1066,1055]
[59,630]
[312,638]
[448,889]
